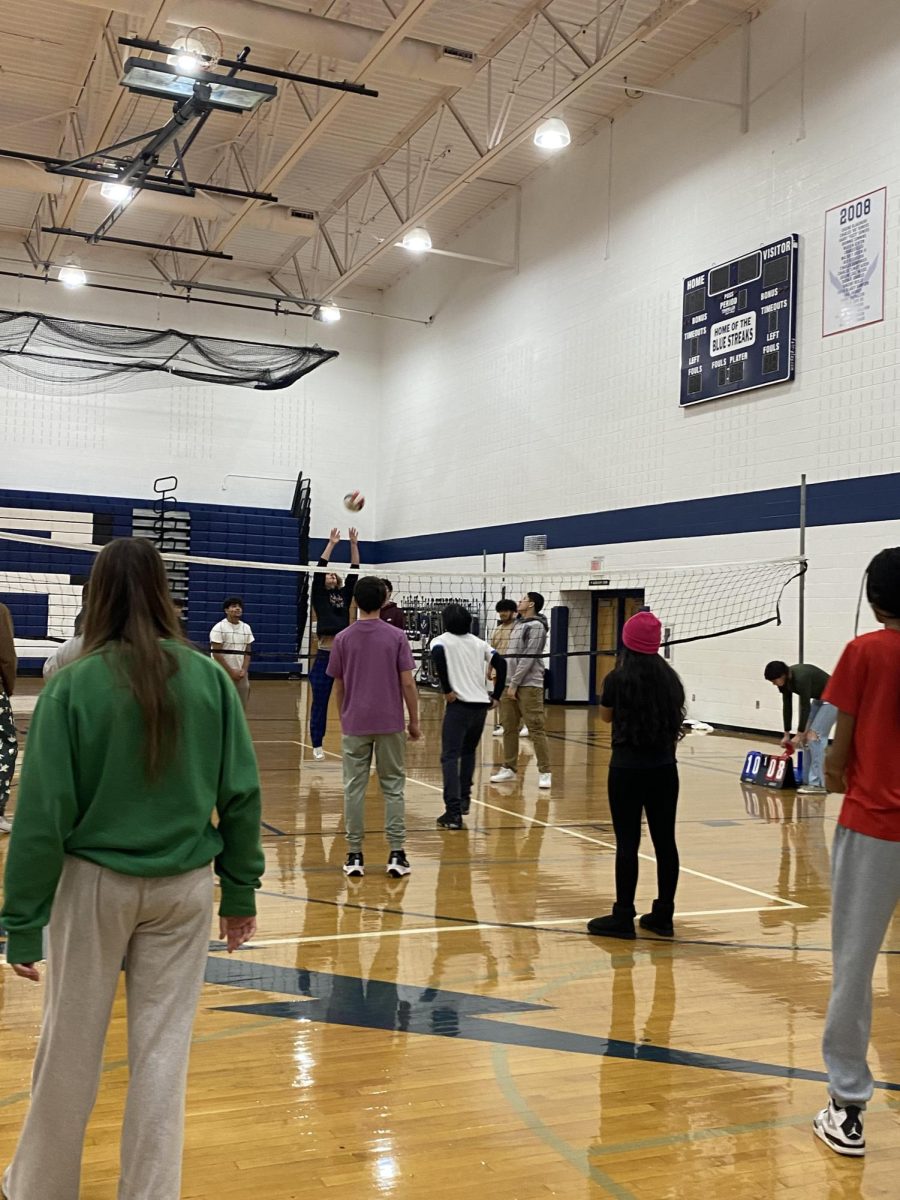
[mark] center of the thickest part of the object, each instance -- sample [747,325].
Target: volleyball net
[41,581]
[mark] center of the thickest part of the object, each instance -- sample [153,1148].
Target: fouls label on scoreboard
[734,334]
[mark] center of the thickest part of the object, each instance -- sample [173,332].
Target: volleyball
[354,501]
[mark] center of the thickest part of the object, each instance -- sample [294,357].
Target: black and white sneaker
[398,864]
[446,821]
[354,865]
[841,1129]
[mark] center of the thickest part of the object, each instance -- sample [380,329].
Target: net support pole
[801,639]
[483,632]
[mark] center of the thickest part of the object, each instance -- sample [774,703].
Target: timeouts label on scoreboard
[739,324]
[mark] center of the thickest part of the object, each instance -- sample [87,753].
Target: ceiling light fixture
[552,134]
[416,240]
[188,61]
[329,313]
[72,276]
[147,77]
[119,193]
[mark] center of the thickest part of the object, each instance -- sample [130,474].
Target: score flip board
[739,323]
[771,770]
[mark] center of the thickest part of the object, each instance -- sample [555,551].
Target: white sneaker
[5,825]
[545,780]
[810,789]
[841,1129]
[498,731]
[523,732]
[504,775]
[318,753]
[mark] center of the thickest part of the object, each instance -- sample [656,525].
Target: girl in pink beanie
[643,700]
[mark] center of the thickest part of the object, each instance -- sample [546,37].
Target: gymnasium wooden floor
[458,1034]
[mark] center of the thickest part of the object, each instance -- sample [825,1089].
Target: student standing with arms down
[230,643]
[523,700]
[643,700]
[130,751]
[372,668]
[864,764]
[462,662]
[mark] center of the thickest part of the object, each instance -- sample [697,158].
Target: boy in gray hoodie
[523,700]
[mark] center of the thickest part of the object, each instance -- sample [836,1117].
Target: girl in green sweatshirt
[139,774]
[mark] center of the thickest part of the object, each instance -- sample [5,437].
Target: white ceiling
[319,150]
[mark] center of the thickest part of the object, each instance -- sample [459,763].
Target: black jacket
[331,606]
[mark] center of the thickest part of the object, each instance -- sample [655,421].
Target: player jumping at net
[331,601]
[864,764]
[643,700]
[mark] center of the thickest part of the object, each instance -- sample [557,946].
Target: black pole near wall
[559,662]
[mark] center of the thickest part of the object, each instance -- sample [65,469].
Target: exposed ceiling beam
[114,104]
[665,12]
[328,113]
[435,106]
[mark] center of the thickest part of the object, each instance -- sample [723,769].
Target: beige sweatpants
[161,928]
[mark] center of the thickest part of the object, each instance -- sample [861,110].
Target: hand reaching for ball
[335,536]
[354,534]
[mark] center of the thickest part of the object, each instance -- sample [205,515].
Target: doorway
[609,612]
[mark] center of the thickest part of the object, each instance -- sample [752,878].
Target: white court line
[495,925]
[740,887]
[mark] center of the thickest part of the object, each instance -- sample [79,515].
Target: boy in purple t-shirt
[372,668]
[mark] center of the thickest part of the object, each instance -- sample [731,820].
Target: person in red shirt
[864,764]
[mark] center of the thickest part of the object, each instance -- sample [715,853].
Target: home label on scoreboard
[739,324]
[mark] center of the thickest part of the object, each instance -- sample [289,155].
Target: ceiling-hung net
[52,349]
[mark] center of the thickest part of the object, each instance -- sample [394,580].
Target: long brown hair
[128,611]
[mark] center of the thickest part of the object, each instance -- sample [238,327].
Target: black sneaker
[841,1129]
[398,864]
[464,806]
[446,821]
[354,865]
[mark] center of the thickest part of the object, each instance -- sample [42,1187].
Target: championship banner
[853,277]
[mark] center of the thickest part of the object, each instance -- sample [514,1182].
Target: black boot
[659,921]
[619,924]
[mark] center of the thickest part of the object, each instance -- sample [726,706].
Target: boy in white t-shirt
[462,662]
[230,642]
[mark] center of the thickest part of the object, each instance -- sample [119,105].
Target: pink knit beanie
[643,633]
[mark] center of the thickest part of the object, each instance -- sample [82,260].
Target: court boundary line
[778,901]
[313,939]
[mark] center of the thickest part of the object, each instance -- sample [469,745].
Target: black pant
[460,735]
[653,790]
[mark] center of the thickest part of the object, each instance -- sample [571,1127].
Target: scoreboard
[739,324]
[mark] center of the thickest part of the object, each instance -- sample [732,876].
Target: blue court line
[273,829]
[435,1012]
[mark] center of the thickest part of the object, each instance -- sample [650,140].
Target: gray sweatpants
[865,887]
[390,763]
[161,928]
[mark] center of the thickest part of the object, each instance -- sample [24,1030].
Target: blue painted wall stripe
[838,502]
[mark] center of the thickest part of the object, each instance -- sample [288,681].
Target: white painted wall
[554,391]
[116,442]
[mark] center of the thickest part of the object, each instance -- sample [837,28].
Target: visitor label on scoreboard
[739,319]
[853,277]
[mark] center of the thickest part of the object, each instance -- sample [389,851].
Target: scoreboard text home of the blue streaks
[739,324]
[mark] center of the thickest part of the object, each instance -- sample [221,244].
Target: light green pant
[528,706]
[390,763]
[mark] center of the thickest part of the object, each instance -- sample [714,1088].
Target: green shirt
[84,791]
[807,682]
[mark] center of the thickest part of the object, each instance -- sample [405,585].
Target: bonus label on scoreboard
[739,324]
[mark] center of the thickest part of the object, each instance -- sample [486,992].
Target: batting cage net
[62,352]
